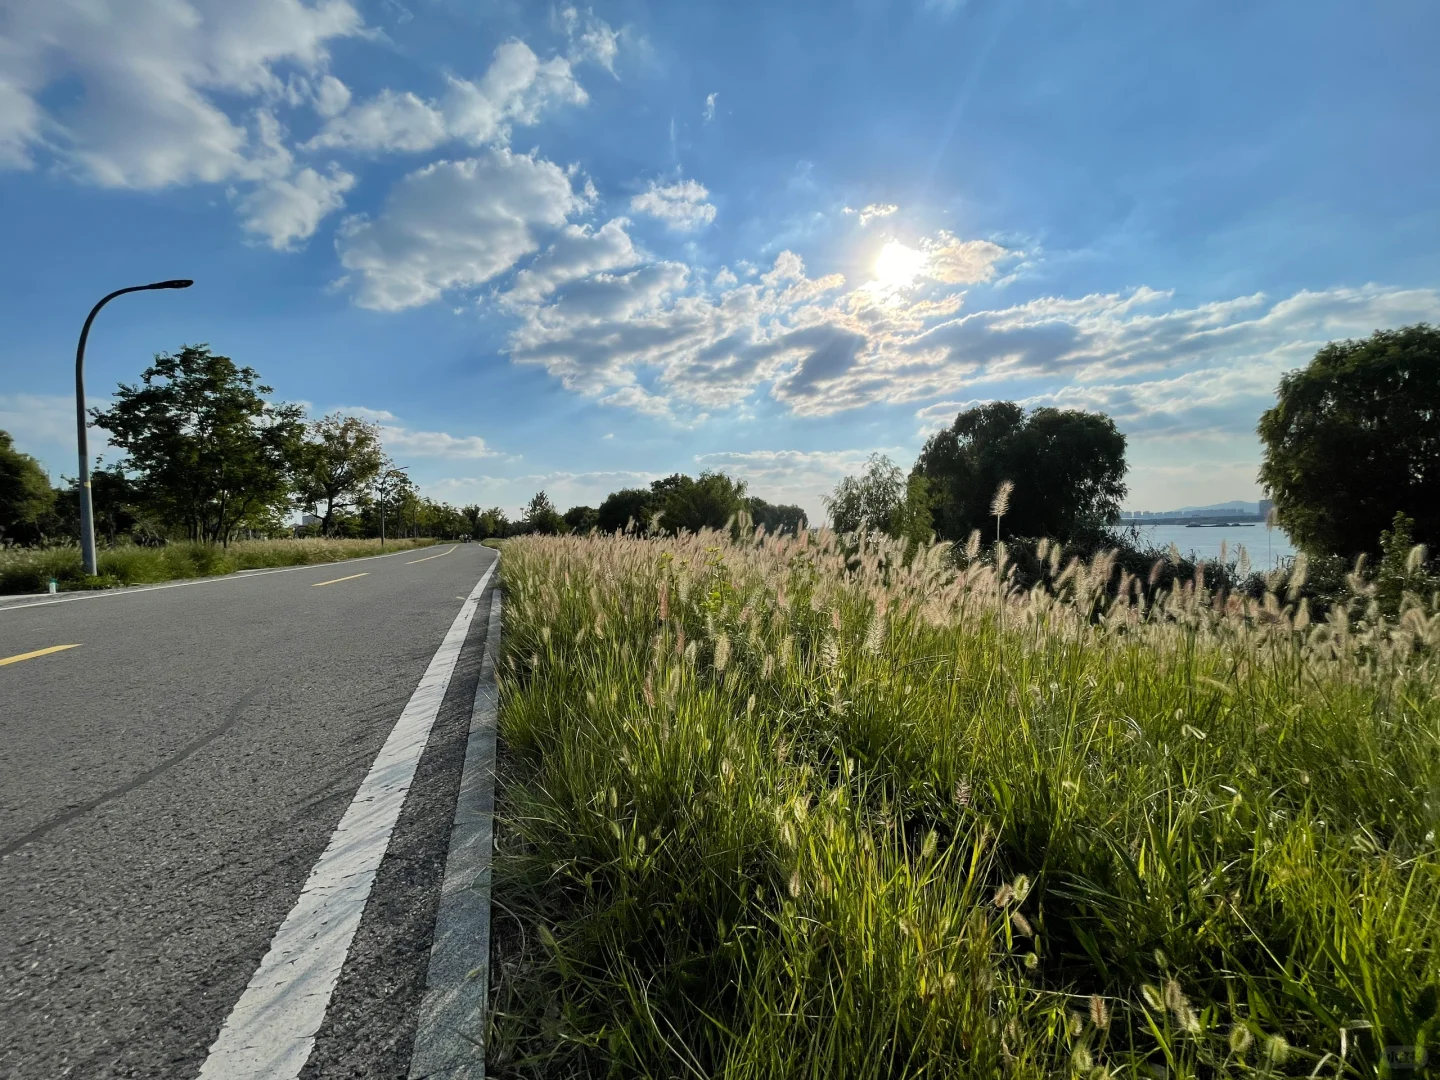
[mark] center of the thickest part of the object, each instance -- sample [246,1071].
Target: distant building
[1265,507]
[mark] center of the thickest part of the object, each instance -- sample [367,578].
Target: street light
[385,489]
[87,508]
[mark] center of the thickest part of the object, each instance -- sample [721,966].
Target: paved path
[168,785]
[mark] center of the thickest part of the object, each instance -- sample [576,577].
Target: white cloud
[577,252]
[433,444]
[150,70]
[390,121]
[709,112]
[660,340]
[591,39]
[872,211]
[454,224]
[518,87]
[681,205]
[962,262]
[365,414]
[288,210]
[332,97]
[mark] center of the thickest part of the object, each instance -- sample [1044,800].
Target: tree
[1354,439]
[1067,466]
[622,507]
[868,502]
[776,519]
[581,519]
[208,448]
[391,493]
[341,457]
[25,493]
[541,516]
[492,522]
[689,505]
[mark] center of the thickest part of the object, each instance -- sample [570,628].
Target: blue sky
[575,248]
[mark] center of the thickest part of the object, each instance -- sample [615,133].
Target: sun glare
[897,265]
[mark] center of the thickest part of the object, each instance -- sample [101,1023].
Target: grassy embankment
[768,814]
[29,570]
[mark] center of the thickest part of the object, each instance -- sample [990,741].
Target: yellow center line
[336,581]
[37,652]
[427,558]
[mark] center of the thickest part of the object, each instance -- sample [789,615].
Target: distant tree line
[209,455]
[1351,459]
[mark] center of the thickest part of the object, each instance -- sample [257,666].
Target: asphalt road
[167,785]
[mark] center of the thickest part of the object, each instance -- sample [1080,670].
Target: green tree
[689,505]
[1068,468]
[492,522]
[870,501]
[776,519]
[1354,439]
[340,458]
[622,507]
[26,496]
[208,449]
[541,516]
[581,519]
[391,494]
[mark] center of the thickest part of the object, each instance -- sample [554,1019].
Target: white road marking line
[271,1031]
[450,1033]
[427,558]
[220,579]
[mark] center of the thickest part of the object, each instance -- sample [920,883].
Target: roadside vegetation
[30,570]
[824,807]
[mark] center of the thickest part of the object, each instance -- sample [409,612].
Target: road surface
[168,782]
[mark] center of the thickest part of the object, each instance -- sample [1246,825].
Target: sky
[578,248]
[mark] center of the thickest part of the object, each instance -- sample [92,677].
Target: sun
[898,266]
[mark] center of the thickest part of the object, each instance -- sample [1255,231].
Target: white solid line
[271,1031]
[219,579]
[450,1033]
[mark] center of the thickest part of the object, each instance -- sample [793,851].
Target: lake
[1266,546]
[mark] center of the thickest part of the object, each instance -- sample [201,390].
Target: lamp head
[178,283]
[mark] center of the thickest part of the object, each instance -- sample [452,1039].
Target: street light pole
[87,506]
[385,482]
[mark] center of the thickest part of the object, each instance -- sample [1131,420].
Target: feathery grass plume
[1099,1012]
[944,702]
[722,653]
[795,883]
[1415,559]
[1298,573]
[875,634]
[1240,1038]
[972,545]
[1000,504]
[1021,924]
[1277,1049]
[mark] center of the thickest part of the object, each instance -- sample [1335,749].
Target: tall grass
[29,570]
[789,809]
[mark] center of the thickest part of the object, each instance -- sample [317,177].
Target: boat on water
[1221,525]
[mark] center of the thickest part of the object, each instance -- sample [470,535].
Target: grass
[784,809]
[29,570]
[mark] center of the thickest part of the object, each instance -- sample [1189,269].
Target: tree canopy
[776,519]
[25,493]
[1067,466]
[1354,439]
[207,446]
[868,502]
[338,462]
